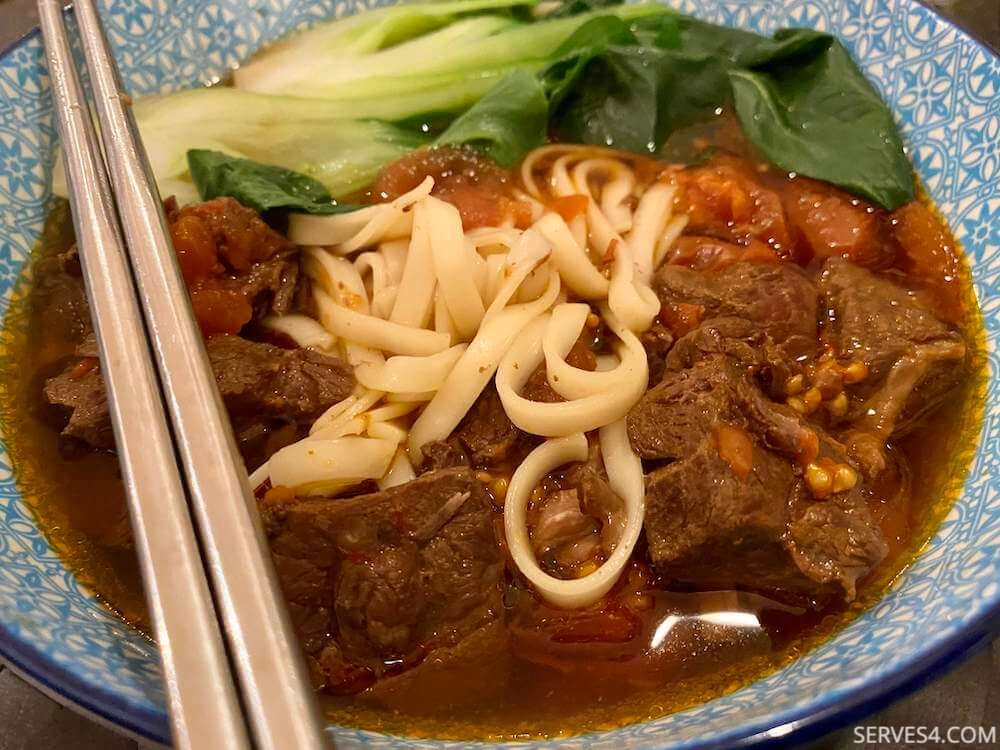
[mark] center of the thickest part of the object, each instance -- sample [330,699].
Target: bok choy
[338,102]
[464,46]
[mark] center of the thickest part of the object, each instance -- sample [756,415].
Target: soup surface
[718,408]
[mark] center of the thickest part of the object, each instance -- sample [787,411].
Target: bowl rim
[794,725]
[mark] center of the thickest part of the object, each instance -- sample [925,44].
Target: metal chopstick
[204,708]
[281,707]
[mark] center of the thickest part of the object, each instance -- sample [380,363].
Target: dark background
[969,695]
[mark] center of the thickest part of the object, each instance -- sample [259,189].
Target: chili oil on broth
[492,692]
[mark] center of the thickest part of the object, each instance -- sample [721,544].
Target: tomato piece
[725,198]
[704,253]
[195,248]
[83,368]
[570,206]
[477,207]
[930,255]
[522,213]
[735,448]
[279,495]
[481,190]
[832,223]
[482,206]
[681,317]
[241,237]
[220,310]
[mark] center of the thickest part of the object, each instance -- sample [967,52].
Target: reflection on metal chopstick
[270,678]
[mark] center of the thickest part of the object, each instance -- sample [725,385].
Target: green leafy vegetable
[465,46]
[302,135]
[589,42]
[823,119]
[506,123]
[262,187]
[576,7]
[800,98]
[340,101]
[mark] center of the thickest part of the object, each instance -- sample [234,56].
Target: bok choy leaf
[340,101]
[262,187]
[394,50]
[823,119]
[343,155]
[803,103]
[506,123]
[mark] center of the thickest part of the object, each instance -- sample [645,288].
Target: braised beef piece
[913,358]
[272,285]
[657,342]
[580,356]
[376,582]
[762,315]
[257,382]
[708,526]
[80,390]
[689,403]
[744,342]
[260,379]
[443,454]
[777,297]
[563,536]
[683,408]
[734,512]
[59,297]
[486,433]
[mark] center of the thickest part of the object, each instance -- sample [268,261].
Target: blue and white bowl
[945,90]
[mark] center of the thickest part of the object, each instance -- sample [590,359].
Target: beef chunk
[236,267]
[375,582]
[777,297]
[271,285]
[876,319]
[657,342]
[708,526]
[672,418]
[59,297]
[260,379]
[486,433]
[913,358]
[443,454]
[563,536]
[80,389]
[835,542]
[744,343]
[257,381]
[725,504]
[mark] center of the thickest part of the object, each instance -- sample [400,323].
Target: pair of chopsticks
[233,671]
